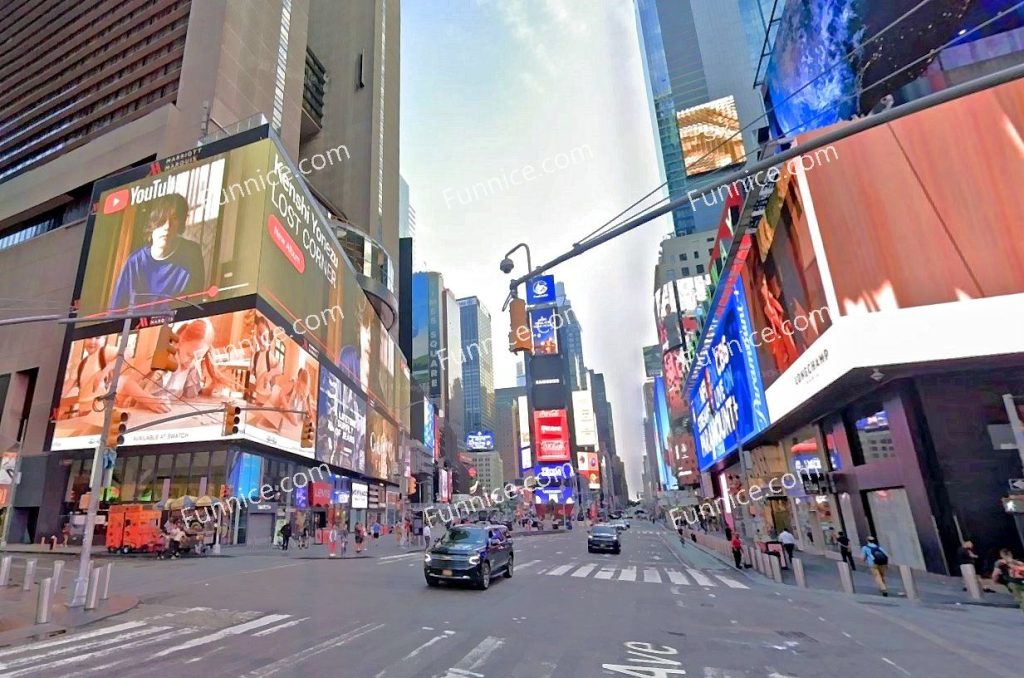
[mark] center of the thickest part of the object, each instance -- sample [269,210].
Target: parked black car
[470,553]
[603,538]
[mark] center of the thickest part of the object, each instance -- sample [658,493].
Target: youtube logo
[116,201]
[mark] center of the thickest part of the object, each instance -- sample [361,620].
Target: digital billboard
[541,290]
[238,357]
[663,429]
[589,468]
[360,495]
[381,446]
[666,311]
[429,429]
[479,441]
[551,430]
[525,450]
[710,136]
[545,332]
[584,420]
[341,424]
[727,400]
[652,361]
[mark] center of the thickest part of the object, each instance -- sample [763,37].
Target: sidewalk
[822,573]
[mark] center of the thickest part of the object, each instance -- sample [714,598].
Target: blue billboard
[541,290]
[663,431]
[727,401]
[545,331]
[428,425]
[479,441]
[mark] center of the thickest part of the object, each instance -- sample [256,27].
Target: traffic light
[118,425]
[232,417]
[308,432]
[411,487]
[165,357]
[520,336]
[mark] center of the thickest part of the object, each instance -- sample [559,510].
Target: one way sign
[1017,484]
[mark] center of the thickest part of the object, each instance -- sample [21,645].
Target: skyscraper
[477,358]
[571,339]
[506,428]
[701,93]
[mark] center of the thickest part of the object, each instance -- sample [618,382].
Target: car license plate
[446,573]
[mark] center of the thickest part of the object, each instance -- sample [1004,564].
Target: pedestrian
[332,541]
[737,551]
[878,562]
[1010,573]
[965,555]
[286,534]
[304,537]
[343,539]
[360,537]
[426,535]
[844,550]
[376,529]
[788,543]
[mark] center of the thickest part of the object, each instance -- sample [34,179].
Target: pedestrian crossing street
[643,574]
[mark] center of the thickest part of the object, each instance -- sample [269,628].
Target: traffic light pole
[84,562]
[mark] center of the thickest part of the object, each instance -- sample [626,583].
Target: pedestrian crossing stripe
[648,575]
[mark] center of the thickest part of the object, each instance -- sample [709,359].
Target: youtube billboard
[551,433]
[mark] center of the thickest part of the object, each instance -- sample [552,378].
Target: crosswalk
[644,574]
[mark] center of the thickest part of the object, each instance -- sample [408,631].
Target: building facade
[477,358]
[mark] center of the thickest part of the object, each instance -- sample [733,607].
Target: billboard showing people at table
[187,366]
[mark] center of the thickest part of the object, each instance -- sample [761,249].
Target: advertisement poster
[341,425]
[652,361]
[583,417]
[360,495]
[429,430]
[541,290]
[479,441]
[183,367]
[545,334]
[381,446]
[727,401]
[666,310]
[551,429]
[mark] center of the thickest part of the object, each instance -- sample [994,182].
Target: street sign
[1017,484]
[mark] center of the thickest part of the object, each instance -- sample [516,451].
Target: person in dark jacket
[286,535]
[844,550]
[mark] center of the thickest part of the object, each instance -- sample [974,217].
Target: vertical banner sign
[545,333]
[584,419]
[541,290]
[434,338]
[525,460]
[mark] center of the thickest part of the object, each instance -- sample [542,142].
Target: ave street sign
[1017,484]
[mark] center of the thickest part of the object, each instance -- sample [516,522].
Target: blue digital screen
[540,290]
[479,440]
[428,425]
[663,432]
[727,402]
[545,332]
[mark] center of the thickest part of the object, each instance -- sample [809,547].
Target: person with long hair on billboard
[265,365]
[167,266]
[287,396]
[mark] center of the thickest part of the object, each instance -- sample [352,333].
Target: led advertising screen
[663,428]
[710,136]
[525,450]
[545,333]
[429,429]
[541,290]
[360,495]
[727,400]
[584,420]
[479,441]
[666,310]
[181,367]
[381,446]
[341,424]
[551,429]
[589,468]
[652,361]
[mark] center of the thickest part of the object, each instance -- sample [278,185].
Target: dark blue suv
[470,553]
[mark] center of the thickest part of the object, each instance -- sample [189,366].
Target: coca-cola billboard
[551,430]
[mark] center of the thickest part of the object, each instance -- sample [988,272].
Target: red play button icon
[116,201]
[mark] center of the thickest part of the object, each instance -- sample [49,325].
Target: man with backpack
[1010,573]
[878,562]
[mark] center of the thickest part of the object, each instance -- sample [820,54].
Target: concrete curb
[117,604]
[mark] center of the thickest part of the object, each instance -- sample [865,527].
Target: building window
[873,440]
[700,268]
[686,270]
[682,257]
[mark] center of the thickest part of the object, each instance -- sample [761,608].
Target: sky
[542,104]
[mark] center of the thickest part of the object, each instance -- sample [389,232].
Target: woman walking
[360,538]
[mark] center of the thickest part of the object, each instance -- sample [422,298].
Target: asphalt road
[658,609]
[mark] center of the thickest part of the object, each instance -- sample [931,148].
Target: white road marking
[585,570]
[561,569]
[700,578]
[101,653]
[651,575]
[895,665]
[71,639]
[99,642]
[220,635]
[478,655]
[628,574]
[290,661]
[605,573]
[731,583]
[526,565]
[273,629]
[400,556]
[677,577]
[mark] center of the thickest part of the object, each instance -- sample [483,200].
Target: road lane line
[895,665]
[731,583]
[585,570]
[651,575]
[31,647]
[273,629]
[522,567]
[628,574]
[222,634]
[477,657]
[605,573]
[700,578]
[677,577]
[290,661]
[561,569]
[400,556]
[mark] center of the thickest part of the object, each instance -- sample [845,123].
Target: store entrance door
[261,529]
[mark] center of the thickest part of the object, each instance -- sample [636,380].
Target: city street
[658,609]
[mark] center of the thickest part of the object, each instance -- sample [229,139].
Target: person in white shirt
[426,534]
[788,543]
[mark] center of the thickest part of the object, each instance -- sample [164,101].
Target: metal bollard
[909,587]
[105,591]
[798,573]
[30,575]
[766,566]
[92,595]
[43,601]
[845,576]
[58,570]
[5,570]
[970,576]
[776,568]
